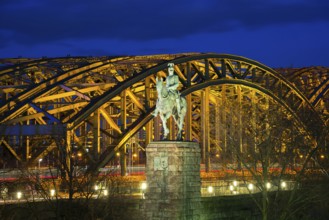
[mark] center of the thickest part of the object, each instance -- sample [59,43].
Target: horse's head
[161,89]
[159,84]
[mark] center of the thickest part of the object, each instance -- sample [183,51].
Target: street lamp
[52,193]
[283,185]
[210,190]
[105,192]
[143,188]
[39,163]
[19,195]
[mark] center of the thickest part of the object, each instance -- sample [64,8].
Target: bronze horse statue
[166,106]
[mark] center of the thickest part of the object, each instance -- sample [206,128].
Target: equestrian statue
[170,102]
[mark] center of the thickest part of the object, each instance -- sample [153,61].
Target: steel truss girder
[266,77]
[236,74]
[19,103]
[30,130]
[195,71]
[110,154]
[312,81]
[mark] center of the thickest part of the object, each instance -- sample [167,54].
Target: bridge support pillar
[173,179]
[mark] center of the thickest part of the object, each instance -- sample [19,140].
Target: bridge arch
[237,67]
[314,83]
[196,71]
[147,117]
[212,69]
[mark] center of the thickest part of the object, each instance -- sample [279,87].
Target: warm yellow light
[231,187]
[210,189]
[106,192]
[301,156]
[322,156]
[118,154]
[96,187]
[52,192]
[79,154]
[268,185]
[283,185]
[217,155]
[235,183]
[134,155]
[19,195]
[250,186]
[143,186]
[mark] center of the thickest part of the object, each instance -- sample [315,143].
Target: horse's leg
[177,122]
[180,127]
[180,120]
[164,126]
[156,111]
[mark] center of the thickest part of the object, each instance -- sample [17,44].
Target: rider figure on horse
[170,103]
[172,82]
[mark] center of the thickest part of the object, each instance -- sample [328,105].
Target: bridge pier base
[173,179]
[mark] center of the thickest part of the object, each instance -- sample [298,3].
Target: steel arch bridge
[101,105]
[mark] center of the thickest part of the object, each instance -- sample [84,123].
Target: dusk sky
[277,33]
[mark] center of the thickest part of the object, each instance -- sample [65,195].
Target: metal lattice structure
[97,105]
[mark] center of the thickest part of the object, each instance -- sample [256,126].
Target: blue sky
[277,33]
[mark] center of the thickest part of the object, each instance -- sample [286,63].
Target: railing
[209,188]
[234,187]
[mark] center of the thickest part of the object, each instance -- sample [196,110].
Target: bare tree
[272,151]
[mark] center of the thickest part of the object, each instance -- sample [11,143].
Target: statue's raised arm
[170,102]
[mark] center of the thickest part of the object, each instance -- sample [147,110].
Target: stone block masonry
[173,179]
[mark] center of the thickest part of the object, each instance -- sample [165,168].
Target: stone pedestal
[173,181]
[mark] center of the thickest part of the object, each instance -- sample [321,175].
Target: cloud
[274,32]
[34,22]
